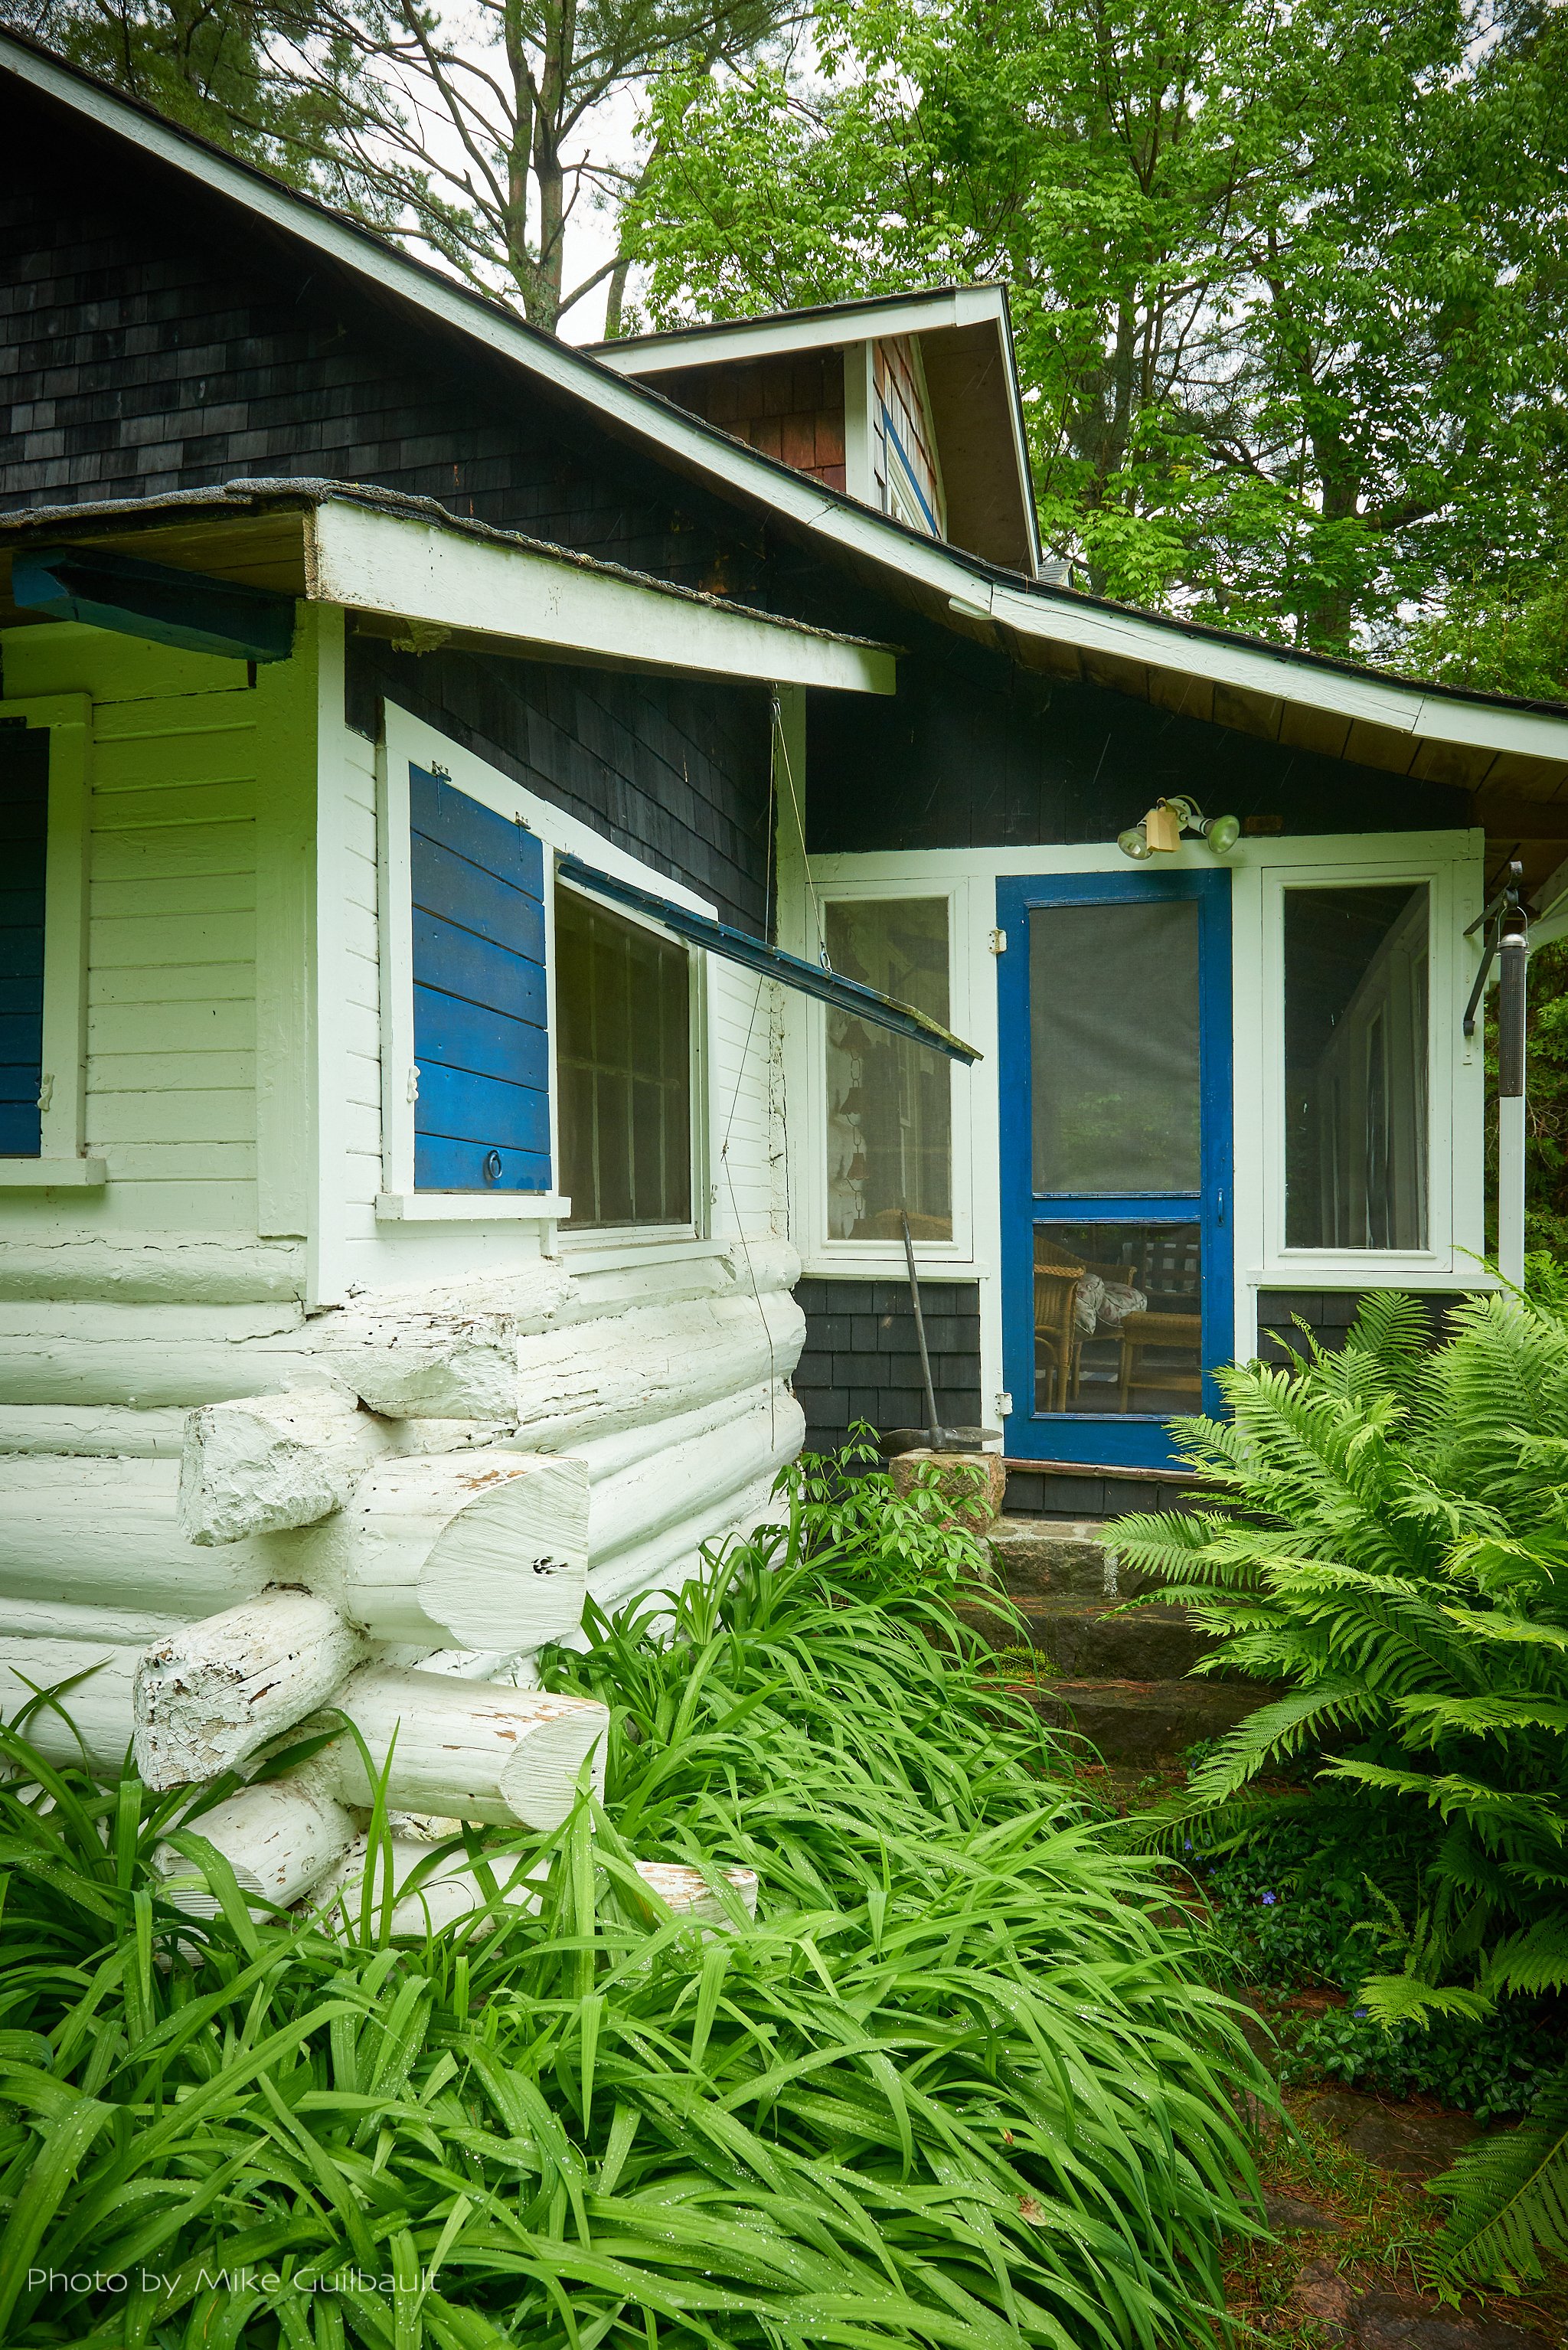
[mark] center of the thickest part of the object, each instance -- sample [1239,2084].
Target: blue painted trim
[755,954]
[482,1119]
[891,431]
[1117,1439]
[155,601]
[23,865]
[442,1164]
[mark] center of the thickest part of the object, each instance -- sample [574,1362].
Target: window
[1357,1062]
[24,852]
[623,1014]
[1118,1317]
[1113,1034]
[889,1102]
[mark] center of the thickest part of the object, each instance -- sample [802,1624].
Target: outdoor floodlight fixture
[1160,830]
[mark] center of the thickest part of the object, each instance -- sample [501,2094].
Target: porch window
[889,1102]
[623,1019]
[1357,1062]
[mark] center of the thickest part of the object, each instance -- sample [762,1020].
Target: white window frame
[61,1162]
[407,740]
[844,1258]
[1452,865]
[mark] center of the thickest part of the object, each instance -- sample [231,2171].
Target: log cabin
[527,866]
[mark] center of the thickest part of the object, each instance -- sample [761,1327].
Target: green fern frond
[1517,1631]
[1508,2199]
[1533,1962]
[1481,1716]
[1273,1733]
[1450,1794]
[1406,1998]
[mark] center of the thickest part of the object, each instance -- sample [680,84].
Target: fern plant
[1388,1546]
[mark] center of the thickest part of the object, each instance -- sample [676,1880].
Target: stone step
[1089,1638]
[1144,1721]
[1059,1559]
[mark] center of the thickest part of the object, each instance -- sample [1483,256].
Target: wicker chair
[1057,1337]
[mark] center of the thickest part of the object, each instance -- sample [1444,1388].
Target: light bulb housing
[1134,842]
[1222,833]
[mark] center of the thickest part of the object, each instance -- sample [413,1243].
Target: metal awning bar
[755,954]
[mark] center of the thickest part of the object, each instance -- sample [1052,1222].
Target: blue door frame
[1121,1439]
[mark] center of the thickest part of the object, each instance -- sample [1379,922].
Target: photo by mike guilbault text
[222,2280]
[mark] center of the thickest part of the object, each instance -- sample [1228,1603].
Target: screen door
[1116,1158]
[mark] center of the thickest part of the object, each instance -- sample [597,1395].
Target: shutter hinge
[999,942]
[46,1090]
[413,1084]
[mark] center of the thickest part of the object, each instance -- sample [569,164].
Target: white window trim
[876,1259]
[62,1161]
[407,740]
[1452,865]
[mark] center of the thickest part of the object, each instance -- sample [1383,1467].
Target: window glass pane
[1113,1033]
[1355,1067]
[624,1059]
[889,1103]
[1117,1318]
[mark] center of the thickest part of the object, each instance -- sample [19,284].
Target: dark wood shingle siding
[975,754]
[154,338]
[675,770]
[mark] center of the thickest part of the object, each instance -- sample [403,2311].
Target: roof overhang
[405,568]
[965,337]
[828,327]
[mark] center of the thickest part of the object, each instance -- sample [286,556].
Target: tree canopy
[1288,280]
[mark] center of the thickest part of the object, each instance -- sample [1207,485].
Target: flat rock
[1288,2215]
[1394,2321]
[1411,2141]
[1139,1721]
[1322,2293]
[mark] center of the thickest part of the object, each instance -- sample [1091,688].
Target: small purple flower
[1268,1900]
[1358,2011]
[1188,1845]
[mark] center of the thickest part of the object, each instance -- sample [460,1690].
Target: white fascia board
[412,569]
[858,322]
[1405,709]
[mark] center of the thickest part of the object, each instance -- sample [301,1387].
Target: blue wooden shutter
[482,1119]
[24,849]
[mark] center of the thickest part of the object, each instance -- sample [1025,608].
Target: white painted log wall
[172,1289]
[99,1706]
[459,1549]
[279,1839]
[209,1697]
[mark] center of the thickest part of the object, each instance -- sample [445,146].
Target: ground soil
[1346,2215]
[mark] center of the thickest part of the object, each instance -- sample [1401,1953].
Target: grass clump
[958,2085]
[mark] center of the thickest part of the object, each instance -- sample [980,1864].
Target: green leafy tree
[1286,282]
